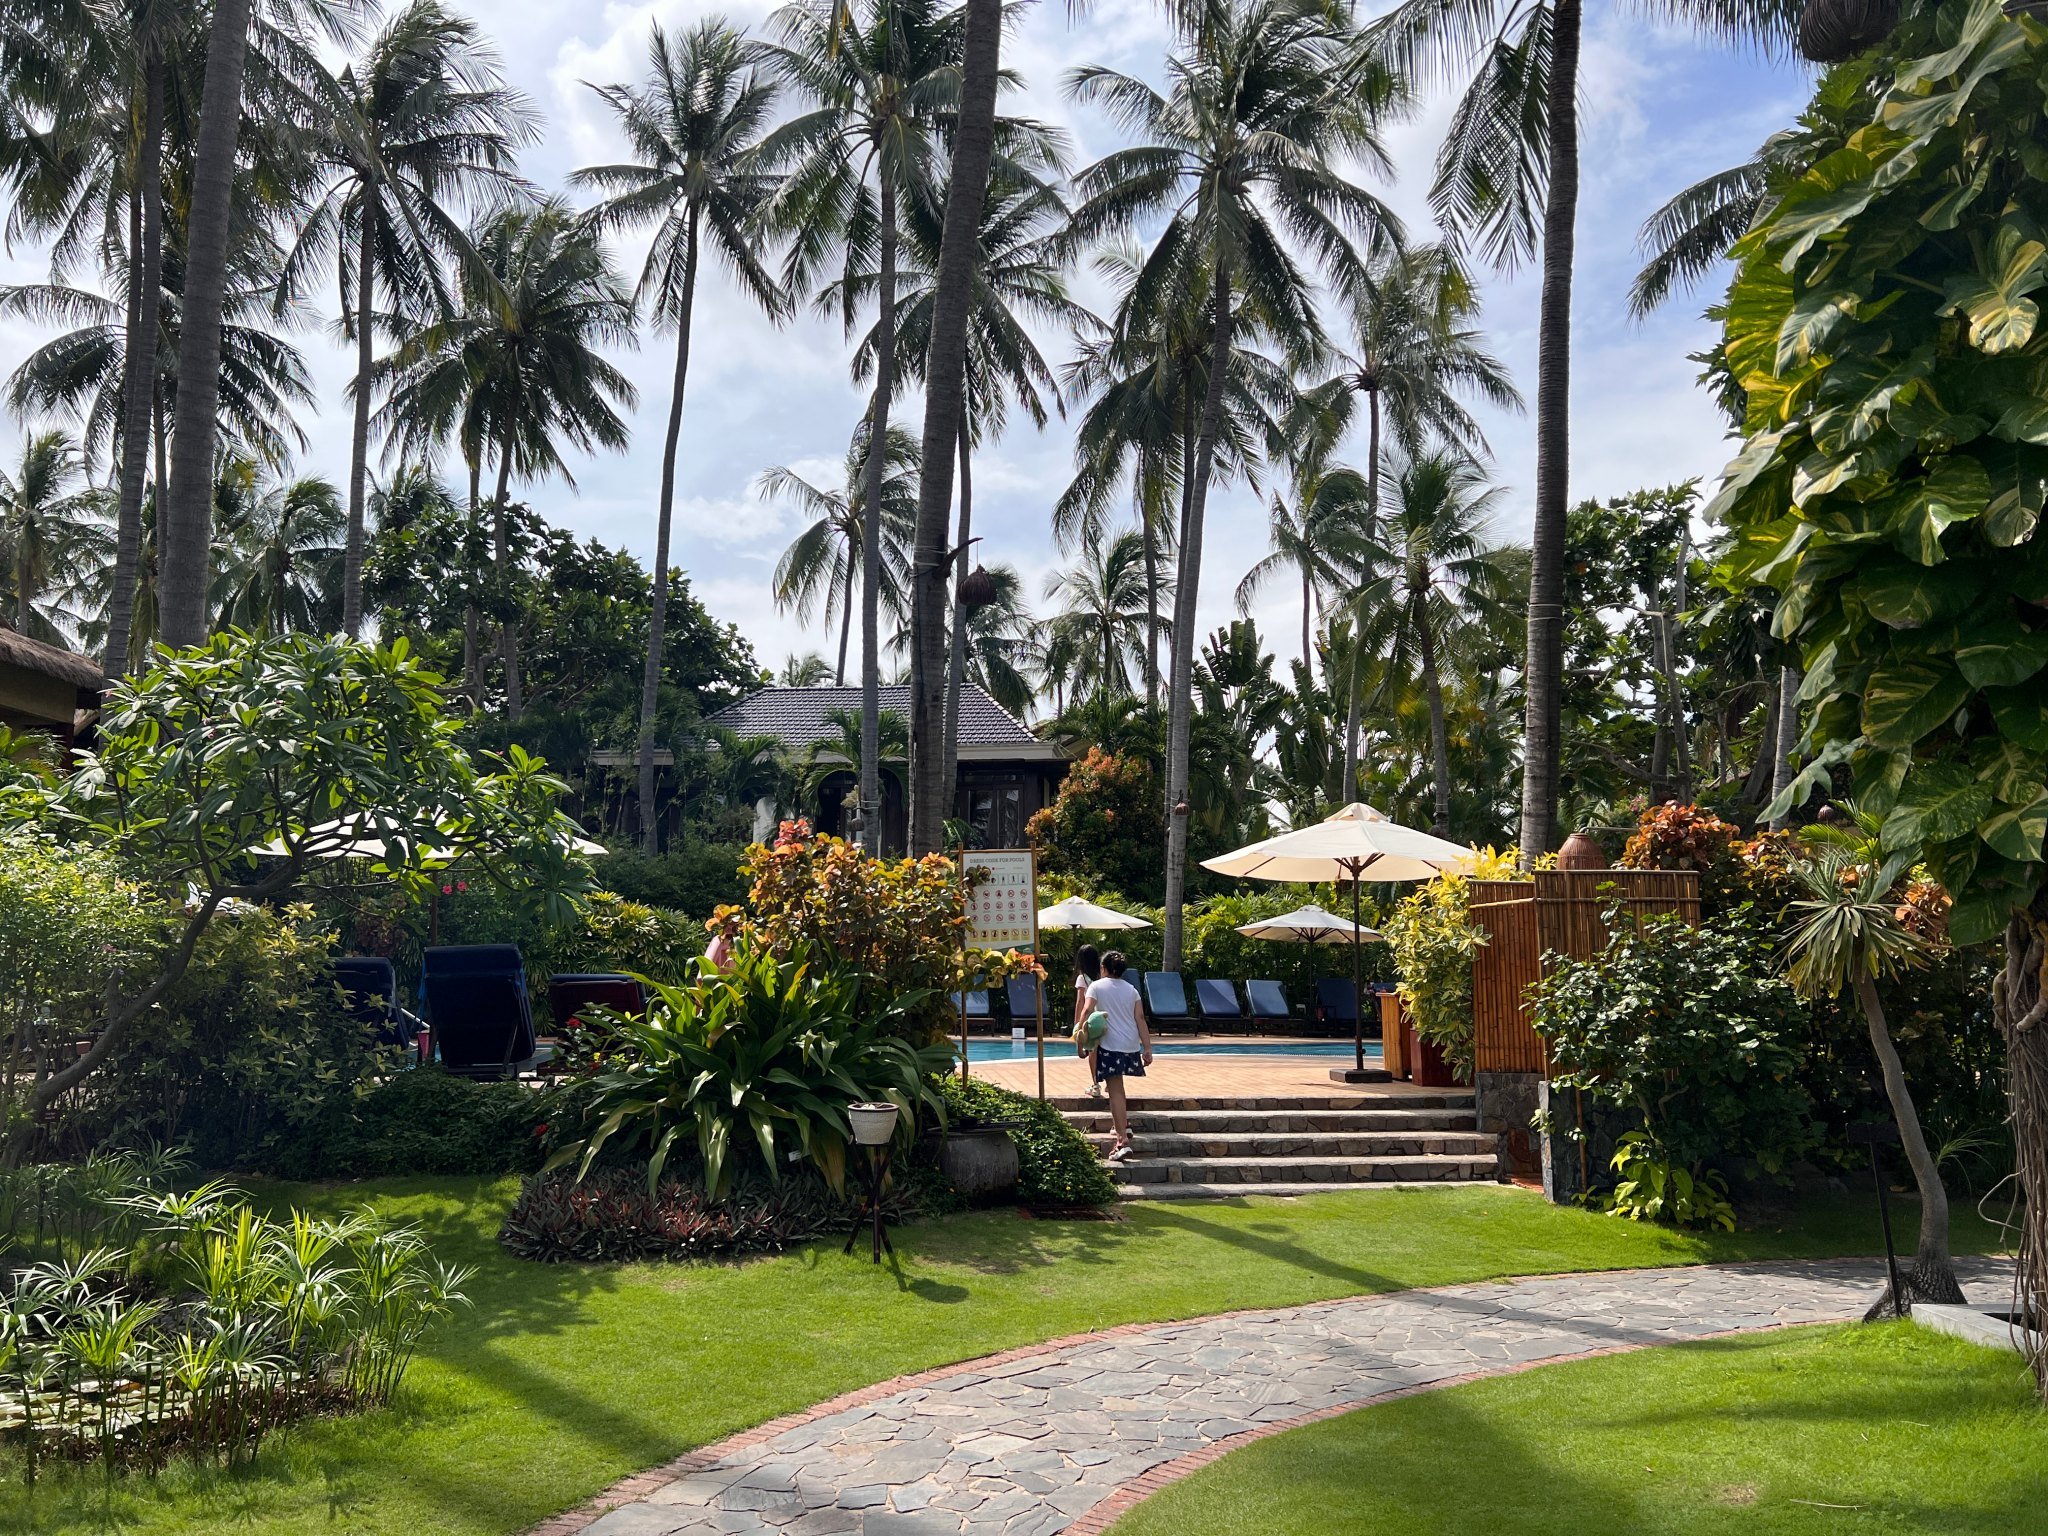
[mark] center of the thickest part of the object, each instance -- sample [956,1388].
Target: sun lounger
[1336,1001]
[1023,995]
[478,1007]
[1217,999]
[369,987]
[1165,996]
[1268,1001]
[573,991]
[976,1001]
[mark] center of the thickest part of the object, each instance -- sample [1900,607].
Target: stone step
[1226,1122]
[1276,1188]
[1326,1146]
[1435,1098]
[1253,1171]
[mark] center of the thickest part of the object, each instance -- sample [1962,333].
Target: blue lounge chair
[1165,997]
[976,1002]
[1023,996]
[477,1004]
[369,991]
[1336,1001]
[1269,1002]
[1217,999]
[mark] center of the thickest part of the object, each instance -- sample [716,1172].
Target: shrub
[615,934]
[1108,822]
[1687,1030]
[1056,1166]
[1433,939]
[250,1055]
[426,1121]
[612,1215]
[696,878]
[771,1053]
[1650,1186]
[896,923]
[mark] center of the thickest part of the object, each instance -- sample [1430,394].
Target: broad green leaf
[1940,801]
[1909,699]
[1809,324]
[2008,655]
[1907,596]
[2018,487]
[2014,774]
[2021,715]
[1834,190]
[2018,832]
[2001,318]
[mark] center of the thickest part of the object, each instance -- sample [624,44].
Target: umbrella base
[1360,1075]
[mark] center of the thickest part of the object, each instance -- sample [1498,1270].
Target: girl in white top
[1126,1048]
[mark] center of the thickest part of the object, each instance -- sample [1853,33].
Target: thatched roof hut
[45,687]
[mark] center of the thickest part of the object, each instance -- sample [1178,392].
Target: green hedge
[1056,1166]
[425,1121]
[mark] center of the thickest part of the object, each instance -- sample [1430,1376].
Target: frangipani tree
[245,743]
[1884,328]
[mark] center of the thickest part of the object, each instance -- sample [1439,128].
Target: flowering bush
[1108,822]
[895,923]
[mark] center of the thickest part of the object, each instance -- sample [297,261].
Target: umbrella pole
[1357,980]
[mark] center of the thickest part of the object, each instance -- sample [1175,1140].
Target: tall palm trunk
[1308,660]
[1439,731]
[138,383]
[1932,1276]
[1353,705]
[845,623]
[945,377]
[1785,738]
[472,616]
[871,535]
[1543,674]
[185,520]
[2019,1007]
[1149,515]
[956,659]
[359,432]
[501,562]
[657,614]
[1180,688]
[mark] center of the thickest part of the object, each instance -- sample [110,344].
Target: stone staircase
[1187,1149]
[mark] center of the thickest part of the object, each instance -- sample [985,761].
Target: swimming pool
[1058,1045]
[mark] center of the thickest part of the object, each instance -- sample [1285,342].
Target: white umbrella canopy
[1309,925]
[1357,843]
[1076,913]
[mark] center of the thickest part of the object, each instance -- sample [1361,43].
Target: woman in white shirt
[1087,971]
[1126,1048]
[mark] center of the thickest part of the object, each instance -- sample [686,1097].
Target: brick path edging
[641,1484]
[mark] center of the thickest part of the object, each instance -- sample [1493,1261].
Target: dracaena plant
[772,1051]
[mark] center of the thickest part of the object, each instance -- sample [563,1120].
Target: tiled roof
[797,716]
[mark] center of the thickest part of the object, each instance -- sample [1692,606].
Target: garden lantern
[874,1128]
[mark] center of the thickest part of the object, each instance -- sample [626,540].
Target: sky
[1658,112]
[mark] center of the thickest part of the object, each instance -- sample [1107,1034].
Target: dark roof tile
[797,716]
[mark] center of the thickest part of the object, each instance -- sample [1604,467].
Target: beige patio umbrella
[1074,912]
[1355,845]
[1308,925]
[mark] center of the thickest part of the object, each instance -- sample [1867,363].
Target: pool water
[1057,1045]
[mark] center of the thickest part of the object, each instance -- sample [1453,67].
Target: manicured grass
[565,1378]
[1846,1431]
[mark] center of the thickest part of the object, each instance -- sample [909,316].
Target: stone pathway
[1065,1436]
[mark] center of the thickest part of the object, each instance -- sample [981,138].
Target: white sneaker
[1118,1154]
[1095,1091]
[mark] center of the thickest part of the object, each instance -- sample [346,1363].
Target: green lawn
[564,1378]
[1844,1431]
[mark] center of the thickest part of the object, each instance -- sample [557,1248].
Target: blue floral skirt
[1110,1064]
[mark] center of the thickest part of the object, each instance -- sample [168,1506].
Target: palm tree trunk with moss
[185,518]
[138,384]
[1151,531]
[501,564]
[945,400]
[657,608]
[1543,673]
[845,624]
[2019,1005]
[871,534]
[1932,1274]
[359,432]
[472,616]
[1785,739]
[1180,685]
[1439,732]
[956,658]
[1353,705]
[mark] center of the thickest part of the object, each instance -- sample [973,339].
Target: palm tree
[809,670]
[1101,620]
[875,78]
[1319,536]
[1508,179]
[823,561]
[1241,156]
[1441,586]
[518,372]
[692,124]
[1847,937]
[423,121]
[822,760]
[53,536]
[284,550]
